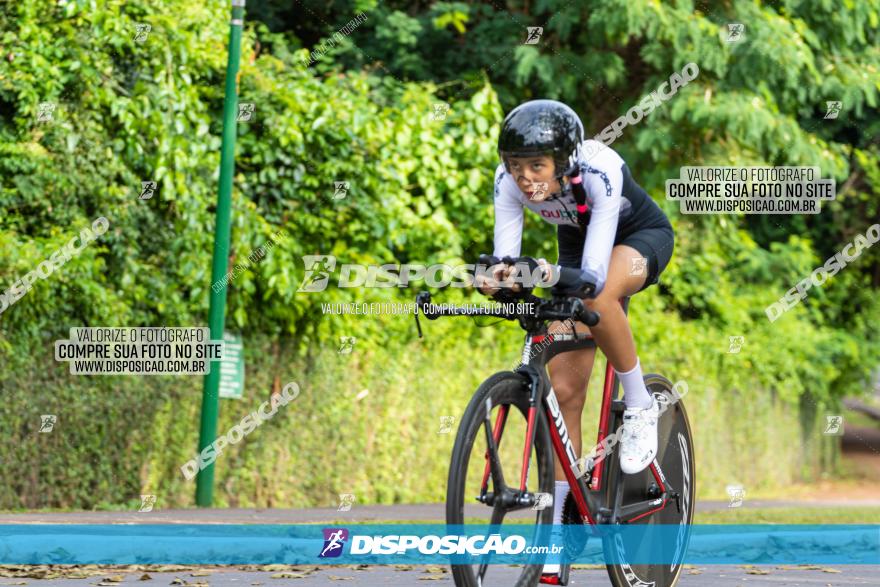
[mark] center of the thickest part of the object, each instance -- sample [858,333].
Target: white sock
[560,491]
[635,394]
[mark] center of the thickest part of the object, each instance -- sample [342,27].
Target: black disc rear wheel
[675,454]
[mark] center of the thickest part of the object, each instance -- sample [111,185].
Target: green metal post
[210,407]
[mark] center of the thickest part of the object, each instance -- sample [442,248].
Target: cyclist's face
[534,176]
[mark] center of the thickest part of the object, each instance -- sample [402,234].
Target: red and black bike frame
[590,499]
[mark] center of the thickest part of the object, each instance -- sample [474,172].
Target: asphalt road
[363,576]
[416,576]
[358,513]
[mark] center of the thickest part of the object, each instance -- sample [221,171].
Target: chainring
[575,534]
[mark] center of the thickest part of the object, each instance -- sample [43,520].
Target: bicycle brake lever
[583,315]
[422,299]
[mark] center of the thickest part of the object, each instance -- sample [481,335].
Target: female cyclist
[621,246]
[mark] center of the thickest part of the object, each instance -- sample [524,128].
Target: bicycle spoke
[492,449]
[498,513]
[497,432]
[481,572]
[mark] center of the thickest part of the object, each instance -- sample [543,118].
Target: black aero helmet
[541,127]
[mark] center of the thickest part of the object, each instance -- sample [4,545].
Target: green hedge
[119,437]
[419,193]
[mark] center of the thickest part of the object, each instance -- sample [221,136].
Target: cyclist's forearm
[508,225]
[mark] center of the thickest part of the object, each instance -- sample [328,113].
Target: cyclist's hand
[504,273]
[487,274]
[547,269]
[514,274]
[525,273]
[493,274]
[485,284]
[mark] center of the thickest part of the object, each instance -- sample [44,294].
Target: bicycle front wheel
[472,475]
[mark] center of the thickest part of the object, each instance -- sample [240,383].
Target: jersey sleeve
[508,219]
[603,179]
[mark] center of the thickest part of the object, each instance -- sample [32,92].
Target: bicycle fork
[510,498]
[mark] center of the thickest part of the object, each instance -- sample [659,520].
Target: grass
[811,515]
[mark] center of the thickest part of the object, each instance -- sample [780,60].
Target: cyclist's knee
[570,394]
[605,301]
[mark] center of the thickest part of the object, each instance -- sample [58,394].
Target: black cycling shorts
[655,244]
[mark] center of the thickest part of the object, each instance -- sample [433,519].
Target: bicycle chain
[574,534]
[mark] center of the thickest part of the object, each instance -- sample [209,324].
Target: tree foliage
[419,191]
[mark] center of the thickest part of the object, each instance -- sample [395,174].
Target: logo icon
[345,502]
[44,112]
[148,188]
[833,109]
[47,422]
[588,151]
[833,425]
[141,31]
[318,269]
[543,501]
[346,345]
[539,193]
[735,32]
[638,266]
[341,189]
[737,494]
[440,110]
[446,423]
[147,503]
[334,541]
[246,111]
[736,343]
[534,35]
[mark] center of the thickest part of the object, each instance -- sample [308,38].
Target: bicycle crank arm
[634,511]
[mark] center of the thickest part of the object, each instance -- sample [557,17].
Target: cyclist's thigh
[627,273]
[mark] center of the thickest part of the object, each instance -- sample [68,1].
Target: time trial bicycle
[520,407]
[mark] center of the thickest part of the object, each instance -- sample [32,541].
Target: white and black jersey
[617,207]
